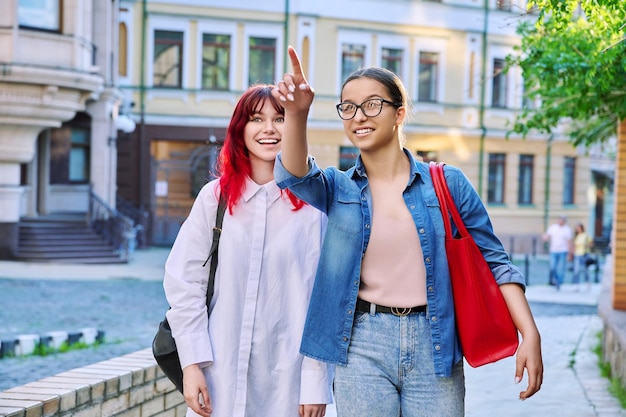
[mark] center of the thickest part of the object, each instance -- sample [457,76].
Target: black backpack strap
[217,233]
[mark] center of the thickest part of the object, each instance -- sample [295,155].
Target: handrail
[113,226]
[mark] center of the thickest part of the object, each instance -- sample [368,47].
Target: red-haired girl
[244,359]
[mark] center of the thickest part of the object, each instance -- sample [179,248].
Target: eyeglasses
[370,108]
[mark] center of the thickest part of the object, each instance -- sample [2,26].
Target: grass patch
[616,387]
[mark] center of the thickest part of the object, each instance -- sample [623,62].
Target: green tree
[573,61]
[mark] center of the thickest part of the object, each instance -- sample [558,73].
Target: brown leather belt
[365,307]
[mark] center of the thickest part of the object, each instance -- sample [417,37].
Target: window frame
[526,177]
[353,38]
[62,167]
[262,31]
[395,42]
[497,161]
[220,28]
[569,180]
[433,96]
[172,25]
[178,62]
[499,79]
[433,45]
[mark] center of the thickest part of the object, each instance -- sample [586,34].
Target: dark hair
[233,164]
[392,83]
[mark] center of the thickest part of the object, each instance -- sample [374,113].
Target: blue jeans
[558,265]
[390,371]
[580,269]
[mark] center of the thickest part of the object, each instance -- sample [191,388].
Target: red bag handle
[446,201]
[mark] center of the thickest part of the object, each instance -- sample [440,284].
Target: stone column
[18,146]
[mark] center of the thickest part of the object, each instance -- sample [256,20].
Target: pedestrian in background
[244,359]
[382,303]
[582,243]
[559,238]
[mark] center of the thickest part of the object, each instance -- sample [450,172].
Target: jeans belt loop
[372,309]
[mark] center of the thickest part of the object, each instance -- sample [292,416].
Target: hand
[529,357]
[294,92]
[312,410]
[195,391]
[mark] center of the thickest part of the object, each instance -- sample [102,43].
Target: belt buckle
[397,311]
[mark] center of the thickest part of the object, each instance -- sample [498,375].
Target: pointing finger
[295,63]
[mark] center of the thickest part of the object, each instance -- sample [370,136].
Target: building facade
[58,109]
[184,63]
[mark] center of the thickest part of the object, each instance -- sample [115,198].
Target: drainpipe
[546,194]
[142,107]
[483,91]
[286,35]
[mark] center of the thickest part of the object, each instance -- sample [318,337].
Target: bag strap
[217,233]
[445,200]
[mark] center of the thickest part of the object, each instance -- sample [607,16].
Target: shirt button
[367,226]
[422,230]
[412,206]
[434,318]
[363,198]
[345,339]
[437,347]
[356,282]
[430,288]
[349,311]
[427,260]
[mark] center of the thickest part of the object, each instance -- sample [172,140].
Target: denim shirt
[346,199]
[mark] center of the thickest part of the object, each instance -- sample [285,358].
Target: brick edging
[125,386]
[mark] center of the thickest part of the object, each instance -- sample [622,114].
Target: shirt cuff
[316,382]
[194,348]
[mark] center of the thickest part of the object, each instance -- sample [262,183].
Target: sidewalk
[572,385]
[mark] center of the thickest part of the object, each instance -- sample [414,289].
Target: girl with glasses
[382,304]
[243,359]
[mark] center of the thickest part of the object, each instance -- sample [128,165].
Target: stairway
[63,238]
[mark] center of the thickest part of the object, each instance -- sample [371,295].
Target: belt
[366,307]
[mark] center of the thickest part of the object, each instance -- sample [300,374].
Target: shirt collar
[252,188]
[416,170]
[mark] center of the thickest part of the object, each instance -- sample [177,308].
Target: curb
[28,344]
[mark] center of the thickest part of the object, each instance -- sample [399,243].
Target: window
[352,58]
[70,146]
[215,61]
[428,69]
[525,184]
[347,157]
[498,98]
[39,14]
[392,60]
[569,176]
[168,59]
[495,185]
[262,63]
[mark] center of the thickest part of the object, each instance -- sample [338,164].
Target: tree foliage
[573,60]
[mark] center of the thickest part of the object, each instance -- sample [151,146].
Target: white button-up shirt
[268,256]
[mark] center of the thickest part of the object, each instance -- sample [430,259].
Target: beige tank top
[393,273]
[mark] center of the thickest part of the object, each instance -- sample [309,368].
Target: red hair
[233,164]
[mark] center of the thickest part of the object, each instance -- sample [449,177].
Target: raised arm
[296,96]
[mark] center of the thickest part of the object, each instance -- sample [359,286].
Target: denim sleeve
[478,224]
[315,188]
